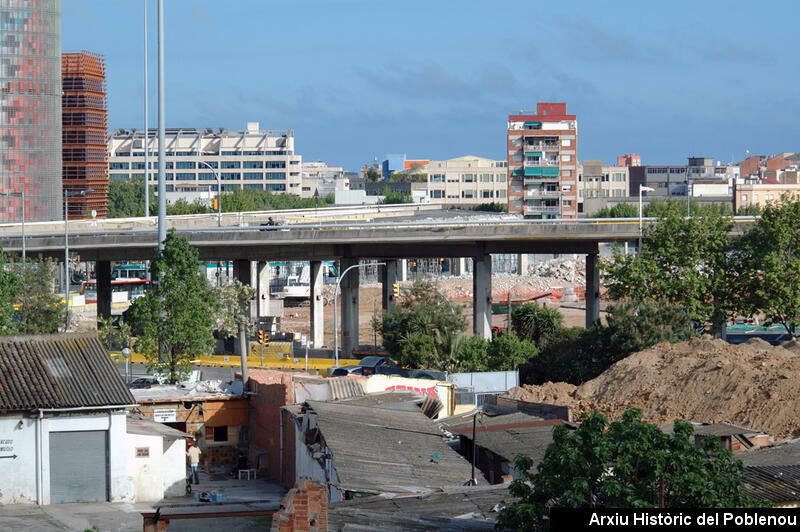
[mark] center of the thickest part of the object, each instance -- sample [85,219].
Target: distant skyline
[358,79]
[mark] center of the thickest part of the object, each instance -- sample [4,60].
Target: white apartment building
[196,158]
[596,180]
[467,180]
[320,178]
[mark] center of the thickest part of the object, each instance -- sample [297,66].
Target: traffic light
[396,290]
[261,336]
[214,204]
[266,339]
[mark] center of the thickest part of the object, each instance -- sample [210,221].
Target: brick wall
[272,390]
[304,508]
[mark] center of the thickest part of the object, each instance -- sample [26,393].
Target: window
[437,178]
[229,153]
[517,158]
[117,166]
[437,194]
[566,188]
[120,176]
[229,188]
[185,165]
[170,177]
[230,176]
[186,177]
[605,178]
[254,185]
[253,175]
[486,193]
[254,164]
[137,166]
[566,142]
[273,176]
[744,197]
[468,178]
[566,158]
[618,177]
[566,173]
[755,197]
[276,164]
[276,187]
[500,178]
[500,193]
[467,194]
[206,176]
[231,164]
[486,178]
[212,164]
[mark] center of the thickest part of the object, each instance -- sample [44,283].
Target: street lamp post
[69,194]
[642,188]
[219,191]
[335,309]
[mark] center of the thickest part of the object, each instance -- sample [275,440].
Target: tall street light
[146,130]
[219,191]
[69,194]
[642,188]
[335,310]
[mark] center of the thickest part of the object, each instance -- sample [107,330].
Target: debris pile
[754,384]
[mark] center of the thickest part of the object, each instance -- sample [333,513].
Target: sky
[360,79]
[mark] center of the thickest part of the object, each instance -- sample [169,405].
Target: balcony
[542,146]
[534,210]
[537,194]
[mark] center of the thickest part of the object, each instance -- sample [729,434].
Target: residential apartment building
[252,158]
[84,130]
[542,162]
[629,159]
[30,109]
[673,181]
[466,180]
[322,180]
[597,181]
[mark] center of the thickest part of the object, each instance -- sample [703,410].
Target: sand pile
[754,384]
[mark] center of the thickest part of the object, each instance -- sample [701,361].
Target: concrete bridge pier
[482,296]
[592,290]
[102,269]
[349,304]
[317,336]
[390,274]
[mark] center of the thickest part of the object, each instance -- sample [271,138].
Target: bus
[129,271]
[122,290]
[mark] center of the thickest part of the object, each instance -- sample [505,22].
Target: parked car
[432,374]
[143,382]
[371,364]
[344,371]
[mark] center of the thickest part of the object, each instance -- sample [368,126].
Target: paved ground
[125,517]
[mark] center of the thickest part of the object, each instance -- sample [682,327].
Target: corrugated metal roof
[472,508]
[378,450]
[779,454]
[140,425]
[58,371]
[779,484]
[343,388]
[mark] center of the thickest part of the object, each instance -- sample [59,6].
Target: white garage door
[78,466]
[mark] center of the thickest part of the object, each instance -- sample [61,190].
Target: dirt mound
[753,384]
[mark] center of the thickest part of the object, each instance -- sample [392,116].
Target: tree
[421,329]
[576,354]
[392,197]
[181,206]
[42,310]
[620,210]
[491,207]
[536,323]
[373,175]
[622,464]
[507,352]
[10,288]
[767,260]
[234,299]
[178,316]
[685,261]
[113,337]
[126,198]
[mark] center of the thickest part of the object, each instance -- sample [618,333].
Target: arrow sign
[13,457]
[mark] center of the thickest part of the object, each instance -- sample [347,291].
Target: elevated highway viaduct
[250,246]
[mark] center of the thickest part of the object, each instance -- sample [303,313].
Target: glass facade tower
[30,109]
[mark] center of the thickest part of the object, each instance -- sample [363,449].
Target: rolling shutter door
[78,466]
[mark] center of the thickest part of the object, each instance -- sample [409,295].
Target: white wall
[20,474]
[160,475]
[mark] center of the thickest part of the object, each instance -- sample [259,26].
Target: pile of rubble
[753,384]
[567,270]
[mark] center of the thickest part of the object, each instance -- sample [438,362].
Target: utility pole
[162,164]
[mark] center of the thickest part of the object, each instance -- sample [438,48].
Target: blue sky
[358,79]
